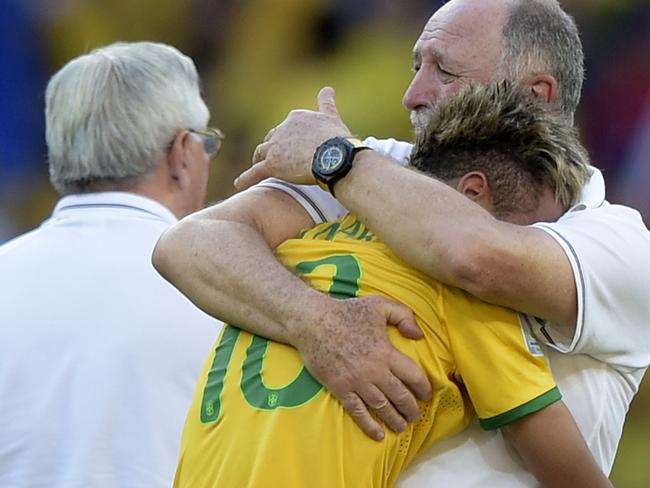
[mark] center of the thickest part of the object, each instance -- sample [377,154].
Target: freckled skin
[338,348]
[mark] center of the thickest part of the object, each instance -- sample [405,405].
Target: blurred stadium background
[261,58]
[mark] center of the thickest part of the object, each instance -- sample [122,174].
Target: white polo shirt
[598,370]
[99,355]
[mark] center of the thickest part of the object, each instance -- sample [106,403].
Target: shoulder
[606,229]
[607,247]
[605,214]
[21,244]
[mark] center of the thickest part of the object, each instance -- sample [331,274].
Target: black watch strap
[333,160]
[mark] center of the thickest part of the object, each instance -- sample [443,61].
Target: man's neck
[548,210]
[145,186]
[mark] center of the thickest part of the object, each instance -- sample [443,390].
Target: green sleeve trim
[532,406]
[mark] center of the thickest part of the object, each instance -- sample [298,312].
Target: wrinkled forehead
[465,31]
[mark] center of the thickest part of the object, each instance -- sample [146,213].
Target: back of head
[111,114]
[539,37]
[519,143]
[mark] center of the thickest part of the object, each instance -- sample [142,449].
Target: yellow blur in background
[261,58]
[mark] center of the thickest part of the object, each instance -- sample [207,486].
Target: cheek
[437,89]
[451,89]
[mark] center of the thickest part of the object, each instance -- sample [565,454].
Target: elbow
[160,254]
[168,251]
[160,258]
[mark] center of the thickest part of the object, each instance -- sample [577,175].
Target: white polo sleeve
[321,205]
[609,251]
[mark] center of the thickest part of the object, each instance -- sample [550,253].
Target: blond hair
[519,143]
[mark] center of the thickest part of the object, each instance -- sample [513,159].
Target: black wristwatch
[333,160]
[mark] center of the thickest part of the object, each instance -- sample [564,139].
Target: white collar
[593,193]
[114,200]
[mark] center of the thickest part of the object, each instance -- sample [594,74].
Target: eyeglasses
[211,139]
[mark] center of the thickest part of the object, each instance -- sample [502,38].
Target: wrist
[304,321]
[361,170]
[333,159]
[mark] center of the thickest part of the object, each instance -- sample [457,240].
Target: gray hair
[519,143]
[111,114]
[540,37]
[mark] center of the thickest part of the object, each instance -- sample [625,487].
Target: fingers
[376,399]
[259,170]
[390,401]
[262,150]
[412,377]
[402,400]
[400,316]
[326,101]
[408,327]
[357,409]
[269,134]
[404,368]
[251,176]
[403,317]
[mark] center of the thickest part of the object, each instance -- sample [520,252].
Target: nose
[420,93]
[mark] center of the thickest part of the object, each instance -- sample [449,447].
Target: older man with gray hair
[98,354]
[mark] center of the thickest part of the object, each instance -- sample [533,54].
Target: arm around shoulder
[456,241]
[607,247]
[221,258]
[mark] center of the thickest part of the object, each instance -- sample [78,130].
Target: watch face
[330,159]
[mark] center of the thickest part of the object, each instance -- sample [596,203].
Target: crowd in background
[261,58]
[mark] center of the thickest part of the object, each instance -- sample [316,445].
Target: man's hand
[288,149]
[349,352]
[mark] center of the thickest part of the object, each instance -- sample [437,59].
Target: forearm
[229,271]
[221,258]
[395,202]
[429,224]
[441,232]
[553,450]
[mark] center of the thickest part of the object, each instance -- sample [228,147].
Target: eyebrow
[417,55]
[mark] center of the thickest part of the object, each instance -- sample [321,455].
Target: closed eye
[445,72]
[447,76]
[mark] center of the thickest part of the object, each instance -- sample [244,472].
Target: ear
[543,87]
[474,185]
[178,160]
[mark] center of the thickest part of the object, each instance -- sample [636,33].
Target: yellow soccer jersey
[259,419]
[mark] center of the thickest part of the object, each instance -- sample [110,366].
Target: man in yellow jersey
[258,418]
